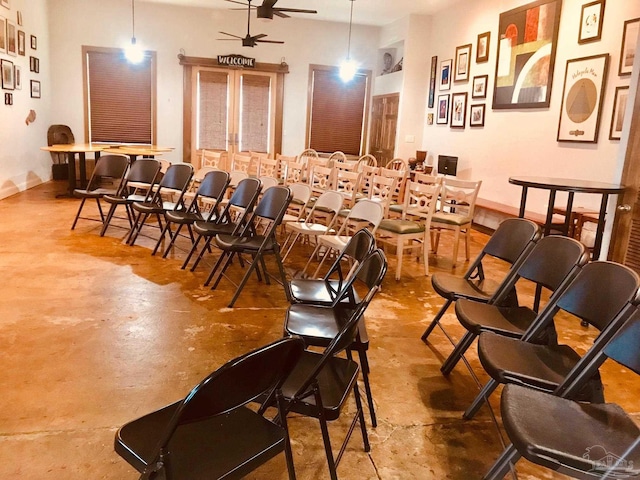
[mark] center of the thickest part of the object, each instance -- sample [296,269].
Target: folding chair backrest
[177,177]
[109,166]
[245,194]
[301,192]
[359,245]
[365,210]
[143,174]
[511,238]
[268,182]
[273,204]
[624,348]
[214,185]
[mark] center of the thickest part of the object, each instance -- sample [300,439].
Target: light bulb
[134,52]
[348,70]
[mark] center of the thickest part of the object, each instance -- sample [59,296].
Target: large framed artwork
[584,84]
[527,39]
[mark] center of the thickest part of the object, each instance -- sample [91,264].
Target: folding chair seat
[232,219]
[107,179]
[597,295]
[174,182]
[576,439]
[142,175]
[321,383]
[211,433]
[512,239]
[551,264]
[317,323]
[257,238]
[210,192]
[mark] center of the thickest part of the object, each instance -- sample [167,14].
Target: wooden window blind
[337,116]
[256,93]
[120,97]
[212,109]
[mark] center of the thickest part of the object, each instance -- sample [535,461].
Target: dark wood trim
[186,113]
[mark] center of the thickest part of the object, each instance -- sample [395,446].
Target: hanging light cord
[133,19]
[350,23]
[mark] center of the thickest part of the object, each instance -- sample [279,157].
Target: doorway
[384,121]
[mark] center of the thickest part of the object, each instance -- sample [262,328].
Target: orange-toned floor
[94,333]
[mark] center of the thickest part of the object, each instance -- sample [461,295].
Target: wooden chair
[241,163]
[347,184]
[218,159]
[397,164]
[368,160]
[337,157]
[269,168]
[397,200]
[294,171]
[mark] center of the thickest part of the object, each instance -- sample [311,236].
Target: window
[119,97]
[337,111]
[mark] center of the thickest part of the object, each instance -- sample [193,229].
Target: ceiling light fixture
[349,68]
[133,52]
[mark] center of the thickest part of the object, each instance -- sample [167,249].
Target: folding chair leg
[243,281]
[75,220]
[283,276]
[221,258]
[137,228]
[324,257]
[503,464]
[161,237]
[364,364]
[313,254]
[435,321]
[325,433]
[194,247]
[459,350]
[480,399]
[105,223]
[172,239]
[201,254]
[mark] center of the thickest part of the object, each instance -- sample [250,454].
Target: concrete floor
[94,333]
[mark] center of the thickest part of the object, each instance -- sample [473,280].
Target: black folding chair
[258,238]
[211,433]
[107,179]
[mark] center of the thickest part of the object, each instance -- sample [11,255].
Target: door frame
[187,105]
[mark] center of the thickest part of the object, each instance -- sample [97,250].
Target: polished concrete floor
[94,333]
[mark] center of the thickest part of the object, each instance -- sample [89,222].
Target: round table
[134,150]
[572,186]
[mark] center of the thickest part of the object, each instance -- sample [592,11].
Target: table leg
[83,170]
[71,160]
[600,230]
[568,219]
[549,220]
[523,202]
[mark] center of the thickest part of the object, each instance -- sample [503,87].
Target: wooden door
[384,120]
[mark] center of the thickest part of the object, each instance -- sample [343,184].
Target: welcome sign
[237,61]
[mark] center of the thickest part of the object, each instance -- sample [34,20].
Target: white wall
[523,142]
[22,164]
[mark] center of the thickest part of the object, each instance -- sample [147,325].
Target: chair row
[518,345]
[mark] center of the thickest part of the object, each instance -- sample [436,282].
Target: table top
[567,184]
[74,148]
[148,150]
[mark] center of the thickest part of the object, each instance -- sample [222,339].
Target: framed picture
[617,116]
[19,18]
[591,22]
[21,42]
[445,74]
[17,76]
[432,80]
[5,3]
[458,110]
[628,48]
[476,115]
[463,63]
[482,47]
[480,86]
[12,38]
[8,98]
[34,65]
[584,83]
[3,35]
[524,68]
[35,89]
[8,82]
[429,118]
[442,115]
[34,42]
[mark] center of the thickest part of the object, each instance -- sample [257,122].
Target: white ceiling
[365,12]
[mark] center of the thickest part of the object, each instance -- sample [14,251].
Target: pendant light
[133,52]
[348,68]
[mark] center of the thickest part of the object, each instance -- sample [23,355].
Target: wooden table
[71,150]
[135,150]
[572,186]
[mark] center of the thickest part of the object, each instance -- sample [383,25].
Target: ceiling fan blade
[239,3]
[261,35]
[228,39]
[278,13]
[269,3]
[293,10]
[269,41]
[231,35]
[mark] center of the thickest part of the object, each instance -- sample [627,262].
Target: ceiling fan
[268,10]
[249,40]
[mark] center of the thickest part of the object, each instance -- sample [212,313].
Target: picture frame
[8,82]
[591,19]
[34,65]
[429,118]
[8,98]
[479,87]
[519,56]
[21,42]
[34,42]
[12,38]
[5,3]
[17,76]
[584,86]
[442,114]
[432,80]
[482,47]
[3,35]
[617,115]
[458,110]
[628,47]
[476,115]
[463,63]
[35,89]
[19,18]
[445,74]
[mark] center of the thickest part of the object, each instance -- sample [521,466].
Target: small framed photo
[5,3]
[429,118]
[12,38]
[442,115]
[17,76]
[463,63]
[21,43]
[34,65]
[445,74]
[8,98]
[617,116]
[476,115]
[35,89]
[482,47]
[19,18]
[34,42]
[458,110]
[8,81]
[628,48]
[480,86]
[591,22]
[3,35]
